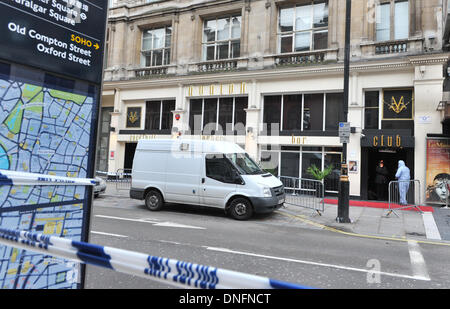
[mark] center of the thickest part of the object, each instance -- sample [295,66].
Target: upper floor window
[302,112]
[156,46]
[392,20]
[158,115]
[303,27]
[371,110]
[219,115]
[222,38]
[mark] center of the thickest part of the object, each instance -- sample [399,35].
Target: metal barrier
[303,192]
[123,179]
[404,194]
[447,187]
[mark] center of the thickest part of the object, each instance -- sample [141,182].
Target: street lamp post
[344,183]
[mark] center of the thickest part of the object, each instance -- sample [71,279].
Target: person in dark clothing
[381,180]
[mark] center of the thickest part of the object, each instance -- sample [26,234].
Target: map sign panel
[46,127]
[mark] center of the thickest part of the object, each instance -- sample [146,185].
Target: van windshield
[244,164]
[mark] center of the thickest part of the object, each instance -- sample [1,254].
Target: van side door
[218,180]
[183,178]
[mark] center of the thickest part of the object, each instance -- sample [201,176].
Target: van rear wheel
[154,200]
[241,209]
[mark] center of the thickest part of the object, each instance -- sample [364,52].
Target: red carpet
[384,205]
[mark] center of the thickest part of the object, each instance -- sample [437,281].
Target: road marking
[418,265]
[155,223]
[171,224]
[224,250]
[109,234]
[431,228]
[169,242]
[127,219]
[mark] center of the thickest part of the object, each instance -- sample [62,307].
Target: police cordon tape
[13,178]
[165,270]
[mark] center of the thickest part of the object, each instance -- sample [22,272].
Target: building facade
[268,75]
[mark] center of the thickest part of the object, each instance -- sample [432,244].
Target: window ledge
[154,71]
[231,64]
[392,47]
[321,56]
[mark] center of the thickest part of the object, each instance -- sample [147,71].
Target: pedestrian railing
[307,193]
[404,194]
[123,179]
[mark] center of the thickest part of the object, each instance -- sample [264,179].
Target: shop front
[388,146]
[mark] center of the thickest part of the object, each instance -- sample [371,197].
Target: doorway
[130,149]
[370,159]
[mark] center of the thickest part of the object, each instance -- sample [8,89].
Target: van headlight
[267,192]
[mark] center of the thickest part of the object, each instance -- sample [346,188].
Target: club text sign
[387,141]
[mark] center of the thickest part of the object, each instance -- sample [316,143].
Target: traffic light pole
[344,183]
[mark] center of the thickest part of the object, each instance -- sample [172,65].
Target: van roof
[200,146]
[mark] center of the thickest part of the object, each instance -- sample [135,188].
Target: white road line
[155,223]
[171,224]
[109,234]
[316,263]
[431,228]
[127,219]
[418,265]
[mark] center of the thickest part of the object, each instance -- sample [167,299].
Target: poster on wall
[437,170]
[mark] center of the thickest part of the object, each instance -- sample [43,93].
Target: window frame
[392,20]
[231,167]
[379,107]
[311,29]
[216,42]
[302,110]
[166,47]
[161,108]
[216,128]
[325,150]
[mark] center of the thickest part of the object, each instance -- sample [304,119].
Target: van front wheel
[241,209]
[154,200]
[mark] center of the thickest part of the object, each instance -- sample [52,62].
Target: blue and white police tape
[165,270]
[13,178]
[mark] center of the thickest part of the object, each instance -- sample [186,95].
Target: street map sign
[50,81]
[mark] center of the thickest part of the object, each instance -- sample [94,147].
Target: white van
[197,172]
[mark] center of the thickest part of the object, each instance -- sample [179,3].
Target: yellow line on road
[334,230]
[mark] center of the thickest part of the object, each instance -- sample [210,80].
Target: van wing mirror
[238,179]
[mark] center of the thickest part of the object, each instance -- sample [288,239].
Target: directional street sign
[344,132]
[58,35]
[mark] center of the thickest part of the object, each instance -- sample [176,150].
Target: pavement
[370,219]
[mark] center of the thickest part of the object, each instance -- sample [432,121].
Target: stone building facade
[268,75]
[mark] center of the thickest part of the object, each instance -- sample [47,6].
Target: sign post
[51,68]
[344,128]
